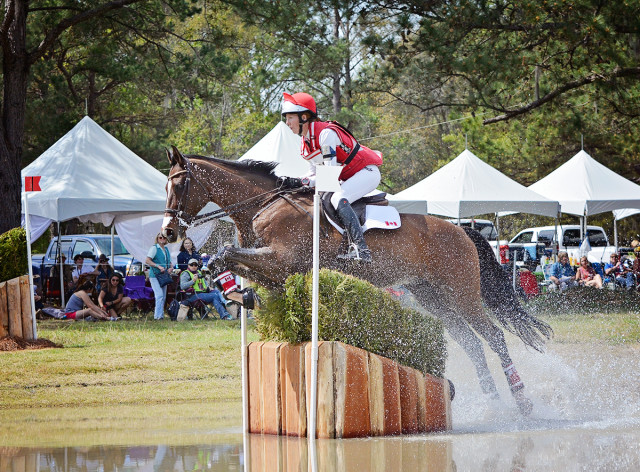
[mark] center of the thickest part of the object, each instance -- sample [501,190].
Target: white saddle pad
[380,217]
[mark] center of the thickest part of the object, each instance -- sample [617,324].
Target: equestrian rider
[333,144]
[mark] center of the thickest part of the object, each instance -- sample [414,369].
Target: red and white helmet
[298,103]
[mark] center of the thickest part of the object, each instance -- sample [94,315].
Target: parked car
[91,246]
[540,242]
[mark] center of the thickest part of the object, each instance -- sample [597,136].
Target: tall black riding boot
[358,249]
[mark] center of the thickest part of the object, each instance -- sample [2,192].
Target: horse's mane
[251,166]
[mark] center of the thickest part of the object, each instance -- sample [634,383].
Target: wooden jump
[360,394]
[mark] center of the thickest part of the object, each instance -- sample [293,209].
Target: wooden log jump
[360,394]
[15,308]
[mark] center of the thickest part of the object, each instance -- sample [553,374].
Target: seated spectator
[187,252]
[112,299]
[192,281]
[75,309]
[81,268]
[105,271]
[586,275]
[622,275]
[562,274]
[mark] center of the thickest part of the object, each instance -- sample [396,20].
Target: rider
[332,143]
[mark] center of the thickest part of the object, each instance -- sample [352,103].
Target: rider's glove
[289,182]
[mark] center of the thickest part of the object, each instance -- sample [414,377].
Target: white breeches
[357,186]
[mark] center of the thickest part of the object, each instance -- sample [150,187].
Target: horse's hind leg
[495,338]
[461,333]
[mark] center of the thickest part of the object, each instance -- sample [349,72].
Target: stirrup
[356,254]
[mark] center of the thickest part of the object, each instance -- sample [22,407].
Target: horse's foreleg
[254,264]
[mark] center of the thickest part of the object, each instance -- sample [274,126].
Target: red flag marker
[32,184]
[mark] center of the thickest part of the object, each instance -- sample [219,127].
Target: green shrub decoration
[13,254]
[354,312]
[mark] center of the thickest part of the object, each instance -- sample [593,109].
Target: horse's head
[181,204]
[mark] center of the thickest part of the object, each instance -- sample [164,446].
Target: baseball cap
[193,261]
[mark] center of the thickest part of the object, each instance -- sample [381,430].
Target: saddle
[373,211]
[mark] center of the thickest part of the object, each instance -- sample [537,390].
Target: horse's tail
[499,295]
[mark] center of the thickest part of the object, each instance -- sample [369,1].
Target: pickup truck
[91,246]
[533,245]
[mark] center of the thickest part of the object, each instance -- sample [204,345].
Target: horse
[448,269]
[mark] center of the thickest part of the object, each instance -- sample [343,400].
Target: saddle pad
[382,217]
[378,217]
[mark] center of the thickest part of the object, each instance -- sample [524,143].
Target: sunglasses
[115,280]
[193,265]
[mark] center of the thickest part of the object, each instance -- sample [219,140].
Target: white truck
[540,243]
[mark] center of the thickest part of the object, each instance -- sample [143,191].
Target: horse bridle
[186,219]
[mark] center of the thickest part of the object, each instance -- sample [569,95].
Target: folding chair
[135,288]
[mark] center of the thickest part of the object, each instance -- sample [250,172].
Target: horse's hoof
[452,390]
[524,404]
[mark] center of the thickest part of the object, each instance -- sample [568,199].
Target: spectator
[621,274]
[37,294]
[159,260]
[562,274]
[81,268]
[191,280]
[586,275]
[75,309]
[105,271]
[635,268]
[187,251]
[111,297]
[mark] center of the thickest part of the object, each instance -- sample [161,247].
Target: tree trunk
[337,97]
[15,65]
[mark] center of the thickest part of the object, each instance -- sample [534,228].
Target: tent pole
[615,231]
[61,267]
[113,230]
[554,249]
[497,237]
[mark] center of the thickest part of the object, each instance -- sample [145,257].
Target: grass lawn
[135,375]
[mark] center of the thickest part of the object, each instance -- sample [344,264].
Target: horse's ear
[172,160]
[177,155]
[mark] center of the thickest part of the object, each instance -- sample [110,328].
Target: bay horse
[449,270]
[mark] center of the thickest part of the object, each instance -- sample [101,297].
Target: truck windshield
[105,246]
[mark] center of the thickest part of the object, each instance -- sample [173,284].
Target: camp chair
[198,305]
[547,283]
[134,288]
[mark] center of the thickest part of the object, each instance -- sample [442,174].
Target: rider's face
[292,120]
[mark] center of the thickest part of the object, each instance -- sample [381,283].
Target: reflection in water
[566,450]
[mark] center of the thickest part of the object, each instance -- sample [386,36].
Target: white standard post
[245,384]
[314,316]
[27,227]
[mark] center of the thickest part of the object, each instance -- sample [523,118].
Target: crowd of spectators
[620,271]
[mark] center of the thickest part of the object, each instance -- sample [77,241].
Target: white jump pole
[326,181]
[245,384]
[27,227]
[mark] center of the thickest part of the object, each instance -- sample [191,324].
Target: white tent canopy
[282,146]
[468,186]
[583,186]
[90,175]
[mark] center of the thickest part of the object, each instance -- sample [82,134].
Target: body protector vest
[349,153]
[200,285]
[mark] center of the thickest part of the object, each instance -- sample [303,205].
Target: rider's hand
[289,182]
